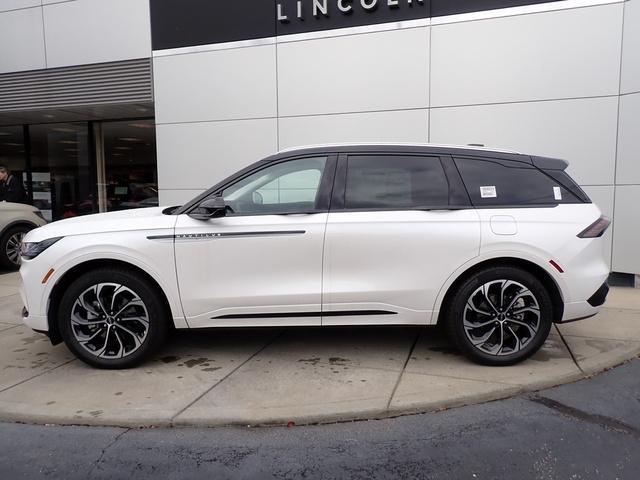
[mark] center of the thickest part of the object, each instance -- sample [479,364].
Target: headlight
[39,214]
[33,249]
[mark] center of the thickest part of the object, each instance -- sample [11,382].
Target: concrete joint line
[573,357]
[190,404]
[38,375]
[603,421]
[7,326]
[404,367]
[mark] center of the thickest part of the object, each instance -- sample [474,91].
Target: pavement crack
[603,421]
[104,451]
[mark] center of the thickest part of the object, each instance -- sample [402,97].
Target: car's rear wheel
[10,245]
[499,316]
[112,318]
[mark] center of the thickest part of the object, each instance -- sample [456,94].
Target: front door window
[287,187]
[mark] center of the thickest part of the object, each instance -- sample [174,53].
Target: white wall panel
[374,71]
[602,196]
[399,126]
[198,155]
[94,31]
[217,85]
[21,40]
[15,4]
[626,230]
[582,132]
[563,54]
[176,197]
[631,48]
[628,171]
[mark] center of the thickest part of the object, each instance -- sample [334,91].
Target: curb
[372,414]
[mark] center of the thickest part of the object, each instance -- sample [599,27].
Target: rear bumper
[587,308]
[598,298]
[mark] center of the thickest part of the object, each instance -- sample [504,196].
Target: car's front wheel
[499,316]
[10,245]
[112,318]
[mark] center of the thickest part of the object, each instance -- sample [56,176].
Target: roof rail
[398,144]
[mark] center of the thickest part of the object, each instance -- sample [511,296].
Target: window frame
[323,196]
[458,198]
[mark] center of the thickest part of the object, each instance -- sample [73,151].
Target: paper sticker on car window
[488,191]
[557,193]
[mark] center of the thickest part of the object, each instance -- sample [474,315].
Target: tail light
[596,229]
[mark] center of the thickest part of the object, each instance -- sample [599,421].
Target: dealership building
[113,104]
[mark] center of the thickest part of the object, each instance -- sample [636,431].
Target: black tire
[466,322]
[13,234]
[135,296]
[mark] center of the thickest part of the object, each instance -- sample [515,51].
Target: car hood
[125,220]
[16,207]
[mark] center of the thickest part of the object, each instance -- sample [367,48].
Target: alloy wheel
[109,320]
[12,249]
[501,317]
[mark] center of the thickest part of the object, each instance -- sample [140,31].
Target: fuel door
[503,225]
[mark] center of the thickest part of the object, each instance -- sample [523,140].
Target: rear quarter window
[509,183]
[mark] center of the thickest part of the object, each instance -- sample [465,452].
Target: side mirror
[211,208]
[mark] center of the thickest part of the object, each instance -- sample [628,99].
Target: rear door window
[510,183]
[387,182]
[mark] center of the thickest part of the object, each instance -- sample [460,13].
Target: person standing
[11,188]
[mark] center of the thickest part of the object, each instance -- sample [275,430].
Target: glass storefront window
[72,169]
[63,184]
[12,152]
[130,167]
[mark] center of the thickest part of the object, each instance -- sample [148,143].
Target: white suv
[494,245]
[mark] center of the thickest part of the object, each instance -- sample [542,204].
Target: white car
[495,245]
[16,219]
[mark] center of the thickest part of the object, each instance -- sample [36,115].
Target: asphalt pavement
[585,430]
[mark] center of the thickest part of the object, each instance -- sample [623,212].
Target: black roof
[413,148]
[424,149]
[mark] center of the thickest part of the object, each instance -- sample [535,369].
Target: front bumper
[37,323]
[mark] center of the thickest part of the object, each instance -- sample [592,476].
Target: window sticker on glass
[488,191]
[557,193]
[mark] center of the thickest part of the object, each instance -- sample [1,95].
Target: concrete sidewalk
[304,375]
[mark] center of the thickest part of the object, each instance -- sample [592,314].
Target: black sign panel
[182,23]
[345,13]
[451,7]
